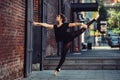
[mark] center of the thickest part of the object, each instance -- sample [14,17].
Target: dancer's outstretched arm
[82,24]
[77,24]
[50,26]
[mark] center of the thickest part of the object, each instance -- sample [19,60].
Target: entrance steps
[84,63]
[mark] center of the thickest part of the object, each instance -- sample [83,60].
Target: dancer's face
[58,18]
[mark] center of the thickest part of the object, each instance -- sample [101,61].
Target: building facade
[50,10]
[12,32]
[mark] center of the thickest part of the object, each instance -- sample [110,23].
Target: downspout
[25,39]
[40,19]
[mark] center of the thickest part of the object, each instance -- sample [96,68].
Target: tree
[114,20]
[102,13]
[102,17]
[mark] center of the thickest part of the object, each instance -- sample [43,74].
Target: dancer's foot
[55,73]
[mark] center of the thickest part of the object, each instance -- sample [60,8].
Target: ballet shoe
[55,73]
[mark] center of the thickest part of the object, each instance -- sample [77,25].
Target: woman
[61,35]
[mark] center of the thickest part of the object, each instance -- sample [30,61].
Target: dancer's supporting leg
[66,47]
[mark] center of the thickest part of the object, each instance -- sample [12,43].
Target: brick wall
[12,23]
[36,7]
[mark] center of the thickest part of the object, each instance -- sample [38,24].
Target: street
[83,74]
[76,75]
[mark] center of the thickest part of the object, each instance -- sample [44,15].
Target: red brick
[12,24]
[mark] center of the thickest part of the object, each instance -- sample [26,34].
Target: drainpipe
[25,71]
[40,18]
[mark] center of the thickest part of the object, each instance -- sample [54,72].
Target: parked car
[114,41]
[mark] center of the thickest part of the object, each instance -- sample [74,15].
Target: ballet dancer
[61,35]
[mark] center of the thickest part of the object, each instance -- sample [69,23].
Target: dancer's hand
[35,23]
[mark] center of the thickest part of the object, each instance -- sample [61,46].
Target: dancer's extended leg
[77,33]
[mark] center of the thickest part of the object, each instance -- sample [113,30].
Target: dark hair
[63,17]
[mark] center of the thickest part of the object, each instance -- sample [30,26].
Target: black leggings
[66,46]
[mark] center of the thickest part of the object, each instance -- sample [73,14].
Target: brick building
[13,30]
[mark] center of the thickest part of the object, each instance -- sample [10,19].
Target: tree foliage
[102,13]
[102,17]
[114,20]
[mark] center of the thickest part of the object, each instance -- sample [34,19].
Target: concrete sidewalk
[104,48]
[76,75]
